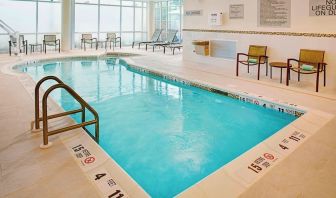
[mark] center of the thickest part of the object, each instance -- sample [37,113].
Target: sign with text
[274,13]
[322,7]
[237,11]
[193,13]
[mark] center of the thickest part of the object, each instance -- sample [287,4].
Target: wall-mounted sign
[237,11]
[193,13]
[322,7]
[216,18]
[274,13]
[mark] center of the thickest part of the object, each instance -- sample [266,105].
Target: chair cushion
[307,67]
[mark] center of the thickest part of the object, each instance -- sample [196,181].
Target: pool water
[167,136]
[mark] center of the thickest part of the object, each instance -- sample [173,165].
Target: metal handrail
[45,117]
[37,98]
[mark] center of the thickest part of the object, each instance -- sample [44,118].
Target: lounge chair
[256,56]
[168,41]
[111,37]
[172,47]
[51,40]
[310,62]
[155,38]
[23,44]
[88,39]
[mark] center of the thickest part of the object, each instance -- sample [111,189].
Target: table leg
[280,75]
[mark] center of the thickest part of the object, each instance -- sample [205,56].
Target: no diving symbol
[89,160]
[269,156]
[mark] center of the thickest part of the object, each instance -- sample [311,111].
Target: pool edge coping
[303,124]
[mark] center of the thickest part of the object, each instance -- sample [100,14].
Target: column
[67,25]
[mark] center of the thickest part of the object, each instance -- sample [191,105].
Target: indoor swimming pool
[166,135]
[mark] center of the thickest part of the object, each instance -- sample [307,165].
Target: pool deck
[27,170]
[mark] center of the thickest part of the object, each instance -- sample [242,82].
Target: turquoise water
[167,136]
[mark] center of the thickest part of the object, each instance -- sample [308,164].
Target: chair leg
[10,50]
[237,66]
[153,48]
[132,45]
[258,71]
[164,50]
[299,75]
[266,68]
[248,67]
[325,76]
[173,51]
[139,45]
[317,80]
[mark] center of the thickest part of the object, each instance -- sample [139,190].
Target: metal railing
[45,117]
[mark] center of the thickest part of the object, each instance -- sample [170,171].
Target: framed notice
[274,13]
[237,11]
[322,7]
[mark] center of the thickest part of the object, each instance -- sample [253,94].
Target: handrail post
[45,144]
[37,100]
[84,105]
[83,113]
[97,129]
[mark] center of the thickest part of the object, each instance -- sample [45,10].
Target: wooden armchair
[310,62]
[256,56]
[51,40]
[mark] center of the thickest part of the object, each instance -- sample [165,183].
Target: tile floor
[28,171]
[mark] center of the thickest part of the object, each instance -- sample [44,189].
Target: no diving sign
[322,7]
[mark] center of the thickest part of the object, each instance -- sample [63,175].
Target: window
[125,17]
[32,18]
[168,16]
[109,18]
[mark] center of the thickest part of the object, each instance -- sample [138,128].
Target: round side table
[281,65]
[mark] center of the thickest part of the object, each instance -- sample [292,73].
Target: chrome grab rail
[45,117]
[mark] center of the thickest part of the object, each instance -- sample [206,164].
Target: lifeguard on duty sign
[322,7]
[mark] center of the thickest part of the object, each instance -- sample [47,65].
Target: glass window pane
[138,19]
[86,19]
[127,19]
[127,3]
[127,38]
[20,15]
[138,4]
[138,37]
[144,27]
[49,17]
[110,2]
[87,1]
[109,18]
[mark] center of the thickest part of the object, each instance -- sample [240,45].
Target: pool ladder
[45,117]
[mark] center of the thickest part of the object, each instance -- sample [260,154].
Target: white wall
[279,47]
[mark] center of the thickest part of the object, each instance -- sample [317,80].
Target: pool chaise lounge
[155,38]
[171,35]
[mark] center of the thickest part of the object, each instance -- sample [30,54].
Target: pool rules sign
[322,7]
